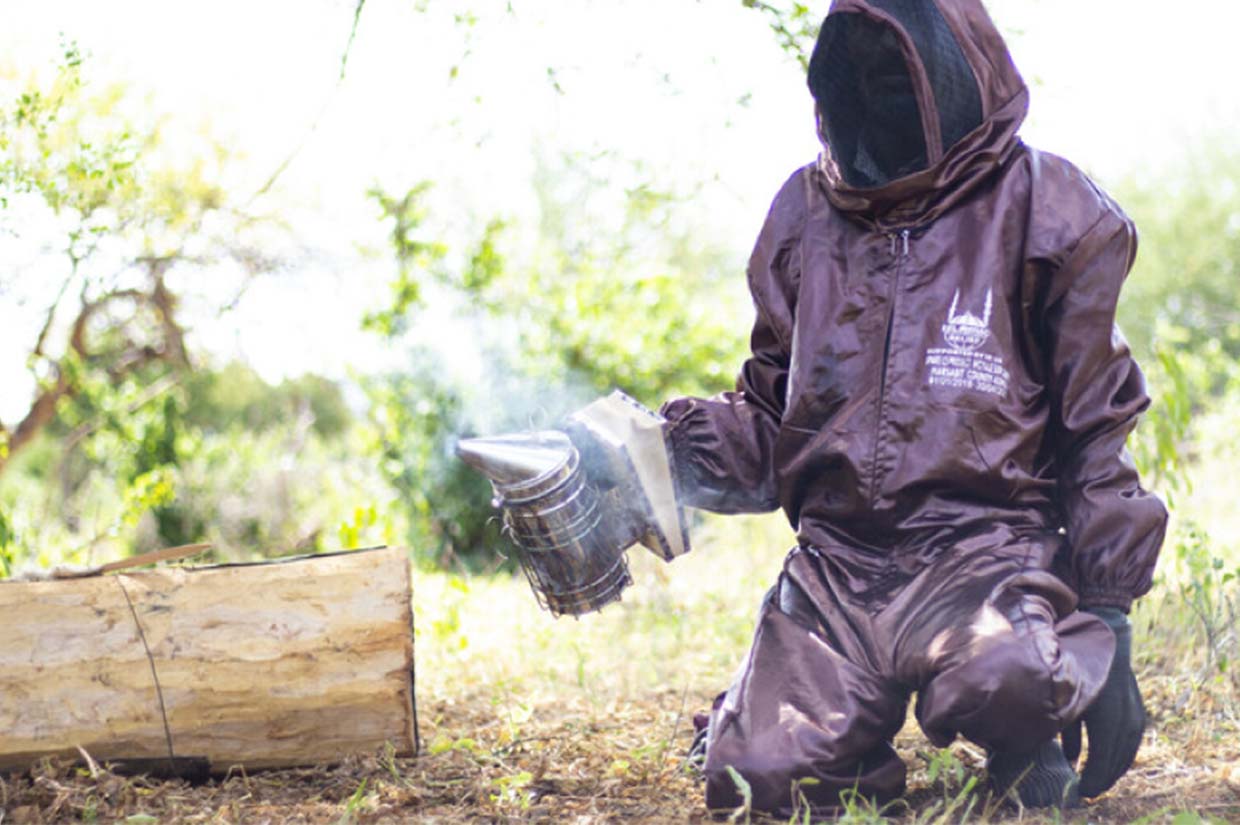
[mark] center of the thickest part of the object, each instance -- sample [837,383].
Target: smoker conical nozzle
[509,459]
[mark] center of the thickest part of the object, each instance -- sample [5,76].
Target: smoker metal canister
[555,518]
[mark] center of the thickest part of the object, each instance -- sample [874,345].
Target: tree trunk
[293,662]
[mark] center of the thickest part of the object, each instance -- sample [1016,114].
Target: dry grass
[525,718]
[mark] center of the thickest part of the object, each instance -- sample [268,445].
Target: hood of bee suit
[918,101]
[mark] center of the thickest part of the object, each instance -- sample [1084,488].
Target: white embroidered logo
[967,332]
[959,365]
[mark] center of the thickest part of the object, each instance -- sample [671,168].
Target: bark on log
[294,662]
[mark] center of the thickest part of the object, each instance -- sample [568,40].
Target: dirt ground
[576,765]
[525,718]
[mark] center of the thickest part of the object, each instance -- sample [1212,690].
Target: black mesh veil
[861,81]
[864,90]
[955,88]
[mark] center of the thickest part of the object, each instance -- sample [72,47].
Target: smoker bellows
[575,505]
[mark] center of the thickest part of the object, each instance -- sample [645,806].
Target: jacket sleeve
[1114,527]
[723,447]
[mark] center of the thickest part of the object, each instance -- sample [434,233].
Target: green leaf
[746,793]
[1187,818]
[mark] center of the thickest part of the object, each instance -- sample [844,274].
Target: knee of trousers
[1018,687]
[799,710]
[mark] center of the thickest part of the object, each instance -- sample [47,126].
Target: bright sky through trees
[697,92]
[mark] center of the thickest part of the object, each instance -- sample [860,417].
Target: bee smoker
[572,519]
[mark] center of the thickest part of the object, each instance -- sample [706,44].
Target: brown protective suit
[938,399]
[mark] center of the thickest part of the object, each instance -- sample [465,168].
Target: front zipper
[899,250]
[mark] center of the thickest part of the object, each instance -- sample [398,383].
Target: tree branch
[118,364]
[165,303]
[51,314]
[793,28]
[42,411]
[314,125]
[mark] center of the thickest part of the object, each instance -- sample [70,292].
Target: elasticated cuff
[1102,597]
[676,441]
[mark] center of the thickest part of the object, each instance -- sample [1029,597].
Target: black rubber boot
[1043,777]
[696,757]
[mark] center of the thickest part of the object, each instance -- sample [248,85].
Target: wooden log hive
[294,662]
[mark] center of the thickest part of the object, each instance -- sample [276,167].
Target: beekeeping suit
[938,399]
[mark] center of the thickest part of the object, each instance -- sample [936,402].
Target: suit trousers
[984,634]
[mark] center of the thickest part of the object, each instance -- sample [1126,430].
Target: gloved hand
[1115,721]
